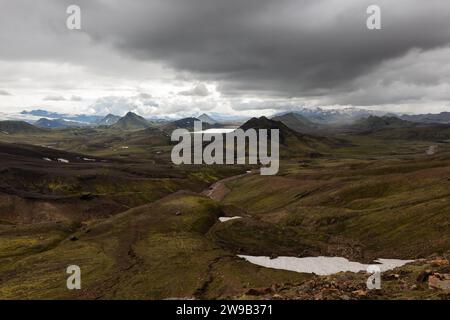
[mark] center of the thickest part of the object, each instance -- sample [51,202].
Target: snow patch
[223,219]
[321,265]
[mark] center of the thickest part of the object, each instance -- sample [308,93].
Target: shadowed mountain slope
[292,142]
[374,123]
[443,117]
[297,122]
[18,127]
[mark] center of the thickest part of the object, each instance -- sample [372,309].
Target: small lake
[321,265]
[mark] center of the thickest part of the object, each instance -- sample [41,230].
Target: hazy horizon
[20,115]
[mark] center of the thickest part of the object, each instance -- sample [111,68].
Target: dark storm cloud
[288,47]
[313,49]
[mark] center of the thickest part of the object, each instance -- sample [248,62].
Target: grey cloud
[199,90]
[149,107]
[54,98]
[4,93]
[144,95]
[76,98]
[287,47]
[147,99]
[114,105]
[417,76]
[120,105]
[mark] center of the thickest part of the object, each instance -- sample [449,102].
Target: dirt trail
[218,191]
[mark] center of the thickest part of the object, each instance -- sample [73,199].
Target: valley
[141,227]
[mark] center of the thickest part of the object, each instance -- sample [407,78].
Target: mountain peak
[265,123]
[131,121]
[206,118]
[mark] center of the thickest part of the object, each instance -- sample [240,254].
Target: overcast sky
[246,57]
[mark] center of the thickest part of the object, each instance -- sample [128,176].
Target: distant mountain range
[55,115]
[298,133]
[347,116]
[374,123]
[333,116]
[443,117]
[59,123]
[297,122]
[394,128]
[388,126]
[43,113]
[303,120]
